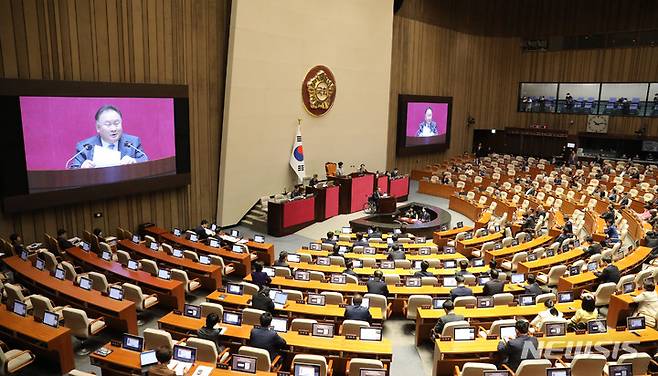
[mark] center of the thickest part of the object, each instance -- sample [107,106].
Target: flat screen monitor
[177,253]
[628,287]
[133,265]
[203,259]
[135,239]
[357,263]
[237,248]
[417,264]
[346,230]
[620,370]
[184,354]
[164,274]
[558,372]
[483,280]
[449,281]
[413,282]
[437,303]
[106,256]
[370,334]
[338,278]
[191,310]
[635,323]
[365,302]
[372,372]
[115,293]
[369,251]
[306,370]
[243,363]
[269,271]
[597,327]
[450,264]
[293,258]
[213,243]
[235,233]
[526,299]
[24,255]
[84,283]
[464,334]
[19,308]
[280,298]
[565,297]
[194,237]
[85,246]
[477,262]
[517,278]
[592,266]
[496,373]
[508,332]
[323,261]
[39,264]
[177,232]
[485,302]
[574,270]
[302,275]
[555,329]
[60,274]
[232,318]
[259,238]
[154,246]
[279,324]
[316,299]
[234,288]
[314,246]
[323,330]
[133,343]
[147,358]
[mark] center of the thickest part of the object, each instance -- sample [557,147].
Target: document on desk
[104,157]
[202,371]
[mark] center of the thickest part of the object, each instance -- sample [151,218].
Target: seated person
[532,287]
[376,284]
[330,238]
[282,260]
[339,169]
[163,355]
[262,300]
[264,337]
[610,214]
[450,316]
[258,276]
[62,240]
[17,243]
[585,313]
[425,215]
[209,332]
[356,311]
[314,180]
[376,233]
[349,268]
[463,266]
[551,313]
[396,252]
[99,234]
[360,241]
[203,231]
[523,347]
[461,289]
[647,303]
[298,191]
[610,272]
[494,285]
[593,248]
[612,234]
[424,265]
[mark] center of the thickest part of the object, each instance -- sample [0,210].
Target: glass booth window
[578,98]
[652,102]
[623,99]
[537,97]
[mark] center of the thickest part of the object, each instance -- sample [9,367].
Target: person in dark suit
[568,226]
[209,332]
[610,214]
[463,266]
[461,289]
[396,253]
[376,233]
[427,127]
[424,265]
[163,355]
[262,300]
[203,232]
[349,268]
[493,286]
[360,241]
[356,311]
[450,316]
[523,347]
[625,201]
[314,180]
[610,272]
[330,238]
[62,240]
[282,260]
[258,276]
[109,126]
[533,287]
[16,243]
[593,248]
[264,337]
[376,285]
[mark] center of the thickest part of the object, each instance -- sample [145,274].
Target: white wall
[272,46]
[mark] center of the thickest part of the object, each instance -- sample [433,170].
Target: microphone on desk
[130,145]
[84,147]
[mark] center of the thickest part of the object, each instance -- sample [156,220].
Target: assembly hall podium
[326,201]
[288,216]
[354,191]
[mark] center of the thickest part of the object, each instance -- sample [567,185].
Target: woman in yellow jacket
[586,313]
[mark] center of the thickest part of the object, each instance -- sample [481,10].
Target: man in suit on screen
[109,126]
[427,127]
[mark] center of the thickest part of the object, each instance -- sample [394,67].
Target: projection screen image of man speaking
[110,147]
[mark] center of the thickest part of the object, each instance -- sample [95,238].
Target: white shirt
[542,316]
[107,145]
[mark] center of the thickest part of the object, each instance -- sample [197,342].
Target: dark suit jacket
[362,243]
[350,272]
[260,278]
[397,255]
[211,335]
[281,263]
[518,349]
[421,273]
[201,233]
[358,313]
[533,289]
[160,370]
[377,287]
[262,302]
[443,320]
[64,244]
[268,339]
[96,141]
[594,249]
[375,234]
[610,273]
[460,291]
[492,287]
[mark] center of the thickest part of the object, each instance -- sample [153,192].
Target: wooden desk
[47,342]
[477,242]
[544,264]
[370,271]
[338,348]
[436,189]
[292,309]
[585,280]
[383,256]
[264,251]
[285,217]
[427,318]
[496,254]
[383,245]
[126,362]
[242,260]
[170,292]
[620,307]
[441,237]
[450,353]
[387,205]
[210,276]
[119,315]
[470,209]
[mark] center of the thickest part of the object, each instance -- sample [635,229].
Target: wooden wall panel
[437,51]
[129,41]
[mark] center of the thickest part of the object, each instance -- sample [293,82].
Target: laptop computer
[628,287]
[232,318]
[517,278]
[508,331]
[477,262]
[370,334]
[293,258]
[147,358]
[483,280]
[280,299]
[133,343]
[323,330]
[183,358]
[464,334]
[555,329]
[243,363]
[437,303]
[279,324]
[191,310]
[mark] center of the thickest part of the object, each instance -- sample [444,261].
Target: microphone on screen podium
[130,145]
[84,147]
